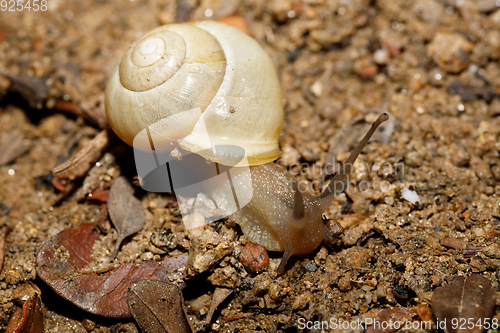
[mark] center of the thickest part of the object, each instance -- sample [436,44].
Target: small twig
[73,167]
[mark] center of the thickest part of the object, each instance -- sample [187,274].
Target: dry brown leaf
[104,293]
[158,307]
[219,296]
[465,305]
[125,211]
[12,145]
[29,319]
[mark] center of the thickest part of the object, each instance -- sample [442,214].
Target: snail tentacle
[337,184]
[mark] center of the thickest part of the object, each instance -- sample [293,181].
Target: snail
[202,85]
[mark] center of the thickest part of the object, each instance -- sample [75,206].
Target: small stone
[381,56]
[254,257]
[358,257]
[205,206]
[410,195]
[278,290]
[310,266]
[424,312]
[413,159]
[371,282]
[495,107]
[437,77]
[483,170]
[384,291]
[352,235]
[479,232]
[193,221]
[88,324]
[225,277]
[344,284]
[302,302]
[258,290]
[487,6]
[289,156]
[494,20]
[460,157]
[280,9]
[166,239]
[495,170]
[450,51]
[454,243]
[317,88]
[206,251]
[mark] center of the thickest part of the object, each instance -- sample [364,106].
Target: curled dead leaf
[219,296]
[104,293]
[29,319]
[3,237]
[158,307]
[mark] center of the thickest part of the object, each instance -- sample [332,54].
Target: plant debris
[219,296]
[33,89]
[79,164]
[469,93]
[466,304]
[337,61]
[158,307]
[61,260]
[29,319]
[125,211]
[3,237]
[12,145]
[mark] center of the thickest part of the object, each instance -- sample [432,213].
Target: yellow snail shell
[198,85]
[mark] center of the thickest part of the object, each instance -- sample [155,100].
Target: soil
[423,205]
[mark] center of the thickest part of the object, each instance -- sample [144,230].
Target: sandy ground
[432,64]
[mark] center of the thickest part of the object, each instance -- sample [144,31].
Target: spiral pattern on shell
[198,85]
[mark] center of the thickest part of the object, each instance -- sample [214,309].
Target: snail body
[217,87]
[279,216]
[276,217]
